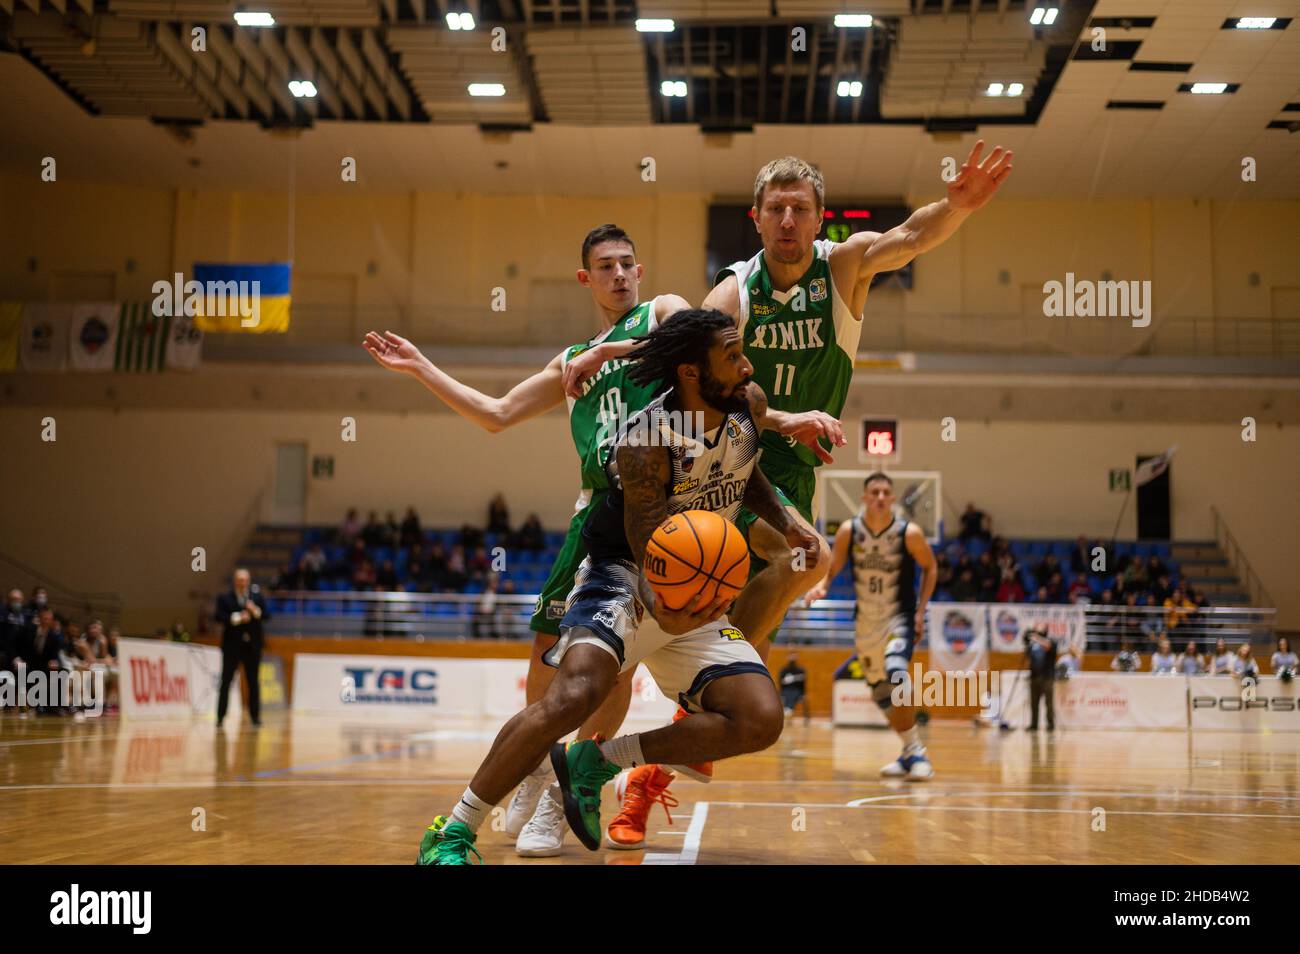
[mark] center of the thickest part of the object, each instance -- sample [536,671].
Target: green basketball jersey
[801,342]
[609,398]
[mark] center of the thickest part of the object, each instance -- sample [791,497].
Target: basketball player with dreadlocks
[694,655]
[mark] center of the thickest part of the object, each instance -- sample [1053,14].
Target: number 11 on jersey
[784,379]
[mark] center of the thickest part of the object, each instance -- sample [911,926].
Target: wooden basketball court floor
[320,790]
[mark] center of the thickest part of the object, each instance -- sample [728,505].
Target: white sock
[624,751]
[470,810]
[543,770]
[911,738]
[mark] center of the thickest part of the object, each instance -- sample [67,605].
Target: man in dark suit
[1041,651]
[241,613]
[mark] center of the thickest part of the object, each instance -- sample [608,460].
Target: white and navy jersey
[706,471]
[884,574]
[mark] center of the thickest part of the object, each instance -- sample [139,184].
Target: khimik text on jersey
[789,335]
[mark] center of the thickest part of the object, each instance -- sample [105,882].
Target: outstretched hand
[810,426]
[392,351]
[977,181]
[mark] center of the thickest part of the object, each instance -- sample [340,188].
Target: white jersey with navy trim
[884,575]
[708,472]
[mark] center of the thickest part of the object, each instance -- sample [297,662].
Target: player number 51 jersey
[884,573]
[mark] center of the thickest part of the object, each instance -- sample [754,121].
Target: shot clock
[878,444]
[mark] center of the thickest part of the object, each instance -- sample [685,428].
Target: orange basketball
[694,551]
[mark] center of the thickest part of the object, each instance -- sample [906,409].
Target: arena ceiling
[120,82]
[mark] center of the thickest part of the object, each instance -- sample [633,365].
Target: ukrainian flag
[264,287]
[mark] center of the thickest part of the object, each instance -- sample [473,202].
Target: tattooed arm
[643,473]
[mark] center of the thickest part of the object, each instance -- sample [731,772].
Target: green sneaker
[581,771]
[447,842]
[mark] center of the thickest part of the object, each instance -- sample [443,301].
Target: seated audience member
[1107,597]
[470,537]
[974,524]
[1160,591]
[96,641]
[411,533]
[1045,568]
[311,566]
[1156,567]
[351,528]
[1163,659]
[40,601]
[944,579]
[1189,661]
[1135,576]
[289,578]
[1244,665]
[1284,661]
[13,629]
[178,633]
[372,534]
[357,555]
[1056,588]
[1127,659]
[436,561]
[1001,550]
[479,564]
[1010,589]
[456,574]
[1132,618]
[1042,596]
[1079,591]
[1221,660]
[1070,662]
[531,536]
[364,576]
[508,622]
[987,577]
[483,623]
[1177,609]
[498,515]
[392,530]
[386,577]
[1198,597]
[965,590]
[1080,556]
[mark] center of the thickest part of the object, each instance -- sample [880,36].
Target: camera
[1286,673]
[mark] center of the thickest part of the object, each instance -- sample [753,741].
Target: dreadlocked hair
[684,338]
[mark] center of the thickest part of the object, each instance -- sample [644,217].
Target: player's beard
[715,395]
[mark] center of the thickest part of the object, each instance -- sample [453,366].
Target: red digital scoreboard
[879,441]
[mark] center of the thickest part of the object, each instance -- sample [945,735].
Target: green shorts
[550,604]
[795,487]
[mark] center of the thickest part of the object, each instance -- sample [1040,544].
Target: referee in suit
[241,613]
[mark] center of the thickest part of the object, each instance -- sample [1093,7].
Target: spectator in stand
[987,577]
[1198,597]
[498,515]
[289,578]
[364,576]
[1056,588]
[1160,590]
[13,629]
[965,590]
[96,641]
[470,537]
[178,633]
[436,564]
[373,532]
[417,575]
[411,534]
[1189,661]
[1127,659]
[1131,618]
[1010,590]
[974,523]
[1135,576]
[1042,596]
[1071,662]
[483,623]
[531,536]
[1107,597]
[944,579]
[392,530]
[1177,609]
[507,611]
[39,603]
[1079,591]
[456,575]
[1244,666]
[1156,567]
[1044,569]
[1163,660]
[351,528]
[1001,548]
[1284,661]
[311,566]
[357,555]
[386,578]
[1221,659]
[479,565]
[1080,556]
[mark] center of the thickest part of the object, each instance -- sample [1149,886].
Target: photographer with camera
[1041,654]
[1127,659]
[1284,661]
[1245,668]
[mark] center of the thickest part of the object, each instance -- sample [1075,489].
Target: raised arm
[931,225]
[807,427]
[584,365]
[532,396]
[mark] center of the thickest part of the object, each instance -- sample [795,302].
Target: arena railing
[455,616]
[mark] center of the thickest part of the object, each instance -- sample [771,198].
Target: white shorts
[603,610]
[884,646]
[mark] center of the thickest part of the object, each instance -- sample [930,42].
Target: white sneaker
[524,803]
[921,770]
[913,765]
[894,769]
[543,836]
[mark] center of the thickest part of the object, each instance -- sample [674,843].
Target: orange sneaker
[642,787]
[700,771]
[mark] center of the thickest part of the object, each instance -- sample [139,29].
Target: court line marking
[995,809]
[690,852]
